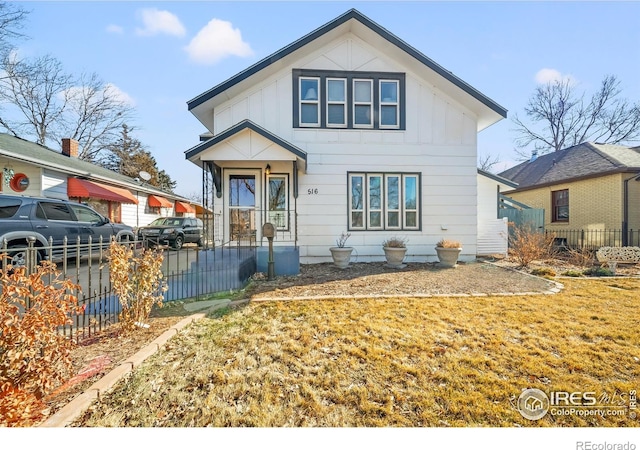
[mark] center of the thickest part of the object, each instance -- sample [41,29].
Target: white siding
[439,142]
[492,232]
[54,185]
[139,215]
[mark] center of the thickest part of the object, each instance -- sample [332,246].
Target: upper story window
[336,102]
[337,99]
[560,206]
[309,102]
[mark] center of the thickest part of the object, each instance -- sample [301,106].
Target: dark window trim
[376,77]
[384,173]
[555,206]
[266,199]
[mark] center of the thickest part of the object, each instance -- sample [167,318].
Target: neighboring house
[34,170]
[492,231]
[588,187]
[346,129]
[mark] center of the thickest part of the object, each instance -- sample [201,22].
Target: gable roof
[193,152]
[39,155]
[351,15]
[580,161]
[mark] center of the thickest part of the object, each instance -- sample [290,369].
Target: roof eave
[574,179]
[195,105]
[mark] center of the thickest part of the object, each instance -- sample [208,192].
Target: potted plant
[395,249]
[448,252]
[340,253]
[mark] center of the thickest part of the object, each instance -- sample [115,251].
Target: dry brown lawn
[434,362]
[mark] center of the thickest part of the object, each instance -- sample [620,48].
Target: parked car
[43,219]
[172,231]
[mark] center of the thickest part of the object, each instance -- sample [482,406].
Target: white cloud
[217,40]
[156,22]
[79,92]
[544,76]
[120,94]
[115,29]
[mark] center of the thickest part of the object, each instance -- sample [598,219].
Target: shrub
[543,272]
[395,242]
[526,244]
[448,243]
[581,257]
[34,356]
[342,240]
[572,273]
[137,281]
[598,272]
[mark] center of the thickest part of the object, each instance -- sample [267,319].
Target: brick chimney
[70,147]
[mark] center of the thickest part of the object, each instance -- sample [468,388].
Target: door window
[242,204]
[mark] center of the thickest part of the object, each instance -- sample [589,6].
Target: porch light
[267,169]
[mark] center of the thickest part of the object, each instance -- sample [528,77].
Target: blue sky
[160,54]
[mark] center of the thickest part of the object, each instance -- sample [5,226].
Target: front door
[244,206]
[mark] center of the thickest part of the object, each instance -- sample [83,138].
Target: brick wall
[594,204]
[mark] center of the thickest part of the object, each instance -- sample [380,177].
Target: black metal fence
[594,239]
[190,272]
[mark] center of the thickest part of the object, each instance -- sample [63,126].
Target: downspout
[625,209]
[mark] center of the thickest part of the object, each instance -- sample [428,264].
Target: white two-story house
[348,129]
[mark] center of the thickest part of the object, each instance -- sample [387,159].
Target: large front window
[384,201]
[338,99]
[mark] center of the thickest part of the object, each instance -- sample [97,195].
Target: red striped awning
[159,202]
[90,189]
[182,207]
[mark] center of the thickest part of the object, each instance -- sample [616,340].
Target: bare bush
[137,281]
[34,356]
[527,244]
[582,257]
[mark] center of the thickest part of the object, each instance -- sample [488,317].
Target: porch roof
[255,151]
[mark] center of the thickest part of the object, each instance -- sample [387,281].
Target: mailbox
[268,230]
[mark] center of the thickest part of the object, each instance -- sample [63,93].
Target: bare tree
[11,21]
[560,117]
[94,116]
[43,101]
[38,92]
[486,162]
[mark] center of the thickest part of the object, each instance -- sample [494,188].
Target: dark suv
[47,218]
[172,231]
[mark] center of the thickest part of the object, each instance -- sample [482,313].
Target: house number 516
[312,191]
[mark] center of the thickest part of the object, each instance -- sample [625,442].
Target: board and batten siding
[439,142]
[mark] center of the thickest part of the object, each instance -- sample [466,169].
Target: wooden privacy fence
[189,273]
